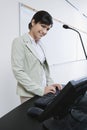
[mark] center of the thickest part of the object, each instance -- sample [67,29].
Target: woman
[29,63]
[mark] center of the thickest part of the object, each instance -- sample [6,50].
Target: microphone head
[66,26]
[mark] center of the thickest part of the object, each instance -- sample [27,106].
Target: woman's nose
[44,31]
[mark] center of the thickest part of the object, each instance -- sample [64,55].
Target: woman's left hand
[59,86]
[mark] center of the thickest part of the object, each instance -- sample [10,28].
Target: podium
[17,119]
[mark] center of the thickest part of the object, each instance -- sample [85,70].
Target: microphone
[67,27]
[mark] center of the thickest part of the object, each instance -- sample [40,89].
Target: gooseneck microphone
[67,27]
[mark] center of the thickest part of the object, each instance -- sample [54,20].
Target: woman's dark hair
[42,17]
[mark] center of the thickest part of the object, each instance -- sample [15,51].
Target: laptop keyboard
[45,100]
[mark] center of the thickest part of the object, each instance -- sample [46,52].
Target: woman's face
[39,30]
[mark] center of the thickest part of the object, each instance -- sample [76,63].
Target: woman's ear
[33,22]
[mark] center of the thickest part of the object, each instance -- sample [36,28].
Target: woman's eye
[43,26]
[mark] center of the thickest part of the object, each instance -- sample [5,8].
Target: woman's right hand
[49,89]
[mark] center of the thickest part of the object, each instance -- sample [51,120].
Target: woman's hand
[59,86]
[49,89]
[52,88]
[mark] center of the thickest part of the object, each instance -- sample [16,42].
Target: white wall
[9,29]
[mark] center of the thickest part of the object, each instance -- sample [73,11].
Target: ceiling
[80,5]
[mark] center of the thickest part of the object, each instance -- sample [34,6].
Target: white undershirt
[41,55]
[38,49]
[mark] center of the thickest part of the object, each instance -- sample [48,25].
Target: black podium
[18,119]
